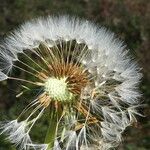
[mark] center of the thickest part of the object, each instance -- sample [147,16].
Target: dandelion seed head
[83,72]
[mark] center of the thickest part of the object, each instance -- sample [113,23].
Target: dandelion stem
[13,148]
[51,132]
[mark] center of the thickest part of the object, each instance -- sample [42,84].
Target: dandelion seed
[85,79]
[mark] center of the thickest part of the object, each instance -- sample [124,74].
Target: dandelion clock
[84,80]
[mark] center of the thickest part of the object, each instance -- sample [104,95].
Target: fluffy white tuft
[37,146]
[16,133]
[3,76]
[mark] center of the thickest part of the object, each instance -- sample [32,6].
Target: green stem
[51,132]
[13,148]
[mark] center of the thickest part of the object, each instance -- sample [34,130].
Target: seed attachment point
[57,89]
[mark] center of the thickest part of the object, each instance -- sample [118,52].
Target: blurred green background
[129,19]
